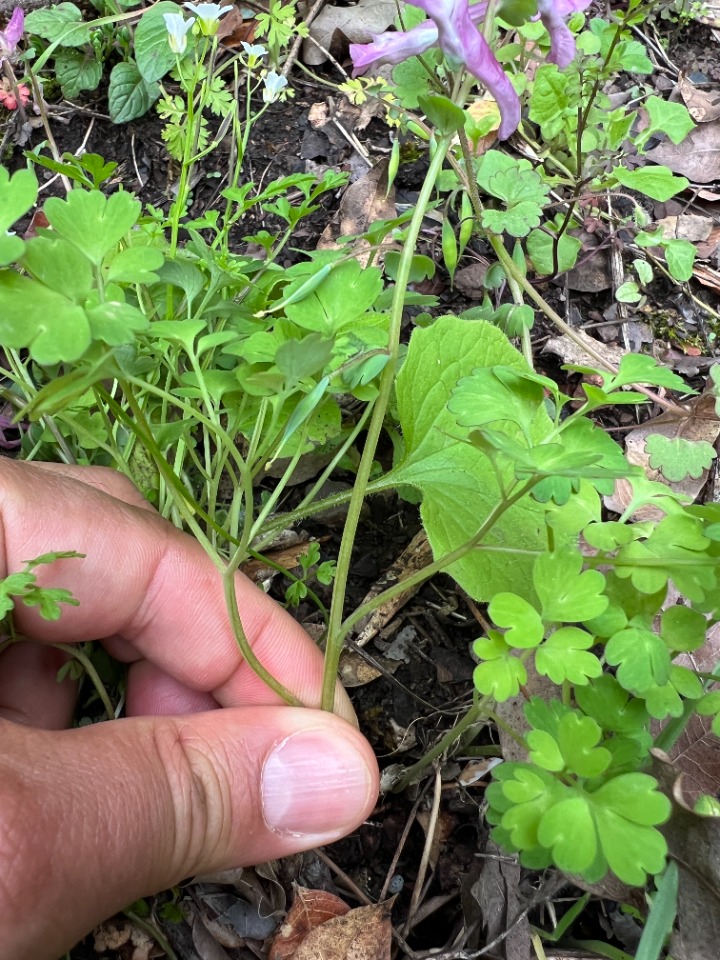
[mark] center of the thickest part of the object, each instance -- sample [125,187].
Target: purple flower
[11,35]
[562,42]
[453,27]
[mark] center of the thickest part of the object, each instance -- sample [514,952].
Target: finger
[94,818]
[29,688]
[152,586]
[153,693]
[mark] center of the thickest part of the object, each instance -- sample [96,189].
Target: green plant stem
[334,641]
[437,566]
[76,654]
[476,713]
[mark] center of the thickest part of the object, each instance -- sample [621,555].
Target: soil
[417,697]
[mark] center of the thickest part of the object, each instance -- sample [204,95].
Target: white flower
[208,16]
[253,49]
[274,84]
[177,28]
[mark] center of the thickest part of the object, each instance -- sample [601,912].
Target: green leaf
[658,183]
[564,656]
[456,480]
[524,627]
[518,186]
[152,51]
[116,323]
[550,98]
[48,600]
[60,266]
[661,919]
[344,294]
[135,265]
[14,585]
[129,95]
[675,548]
[17,195]
[567,594]
[680,258]
[678,458]
[496,395]
[578,738]
[569,831]
[93,222]
[31,315]
[500,675]
[62,21]
[540,247]
[77,70]
[626,809]
[442,113]
[299,359]
[411,81]
[641,368]
[672,119]
[642,657]
[610,705]
[683,629]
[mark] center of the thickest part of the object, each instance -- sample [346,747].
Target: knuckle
[200,794]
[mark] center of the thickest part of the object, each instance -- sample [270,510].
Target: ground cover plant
[147,338]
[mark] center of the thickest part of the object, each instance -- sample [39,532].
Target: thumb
[94,818]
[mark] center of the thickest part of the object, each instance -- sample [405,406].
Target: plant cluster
[194,370]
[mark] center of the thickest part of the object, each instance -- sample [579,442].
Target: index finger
[148,583]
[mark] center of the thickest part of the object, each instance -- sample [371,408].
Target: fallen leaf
[234,29]
[687,226]
[414,557]
[496,896]
[364,202]
[354,24]
[694,842]
[703,105]
[571,352]
[309,909]
[701,424]
[364,933]
[445,823]
[355,671]
[697,157]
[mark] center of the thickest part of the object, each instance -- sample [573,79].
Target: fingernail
[315,784]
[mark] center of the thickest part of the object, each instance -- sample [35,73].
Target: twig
[295,49]
[425,859]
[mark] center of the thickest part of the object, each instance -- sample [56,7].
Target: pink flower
[10,101]
[453,27]
[11,36]
[562,42]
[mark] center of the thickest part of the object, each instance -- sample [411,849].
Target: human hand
[91,819]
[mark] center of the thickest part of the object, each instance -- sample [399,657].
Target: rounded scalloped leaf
[568,829]
[564,656]
[631,851]
[500,678]
[566,594]
[524,627]
[544,750]
[577,740]
[635,797]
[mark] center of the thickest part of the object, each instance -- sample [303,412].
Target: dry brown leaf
[287,557]
[694,841]
[701,424]
[415,556]
[354,24]
[234,29]
[696,754]
[309,909]
[355,671]
[362,934]
[687,226]
[697,157]
[497,895]
[707,276]
[703,105]
[444,826]
[571,352]
[364,202]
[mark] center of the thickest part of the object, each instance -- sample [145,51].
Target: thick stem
[334,642]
